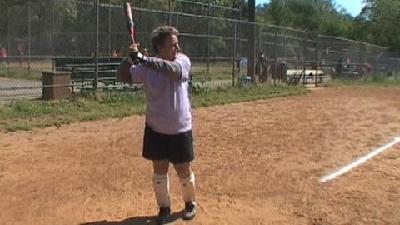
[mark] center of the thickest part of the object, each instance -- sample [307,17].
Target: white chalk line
[359,161]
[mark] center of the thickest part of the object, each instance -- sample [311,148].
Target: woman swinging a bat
[168,129]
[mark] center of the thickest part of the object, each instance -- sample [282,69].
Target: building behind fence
[215,37]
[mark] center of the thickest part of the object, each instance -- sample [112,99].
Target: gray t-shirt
[168,105]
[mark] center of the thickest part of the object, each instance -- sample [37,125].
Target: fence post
[259,58]
[251,40]
[360,59]
[240,26]
[96,51]
[317,60]
[109,29]
[177,15]
[29,34]
[52,36]
[169,14]
[303,63]
[8,40]
[234,55]
[260,38]
[284,46]
[273,74]
[208,37]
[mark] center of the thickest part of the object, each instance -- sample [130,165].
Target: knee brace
[188,188]
[161,189]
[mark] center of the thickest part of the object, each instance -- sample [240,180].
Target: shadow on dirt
[139,220]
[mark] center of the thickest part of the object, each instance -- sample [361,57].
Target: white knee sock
[188,188]
[161,189]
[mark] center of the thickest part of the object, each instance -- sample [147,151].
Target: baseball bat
[130,24]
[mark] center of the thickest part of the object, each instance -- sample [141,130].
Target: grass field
[28,114]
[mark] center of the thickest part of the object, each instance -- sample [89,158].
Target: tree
[317,16]
[379,22]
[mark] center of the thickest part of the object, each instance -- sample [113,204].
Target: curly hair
[160,34]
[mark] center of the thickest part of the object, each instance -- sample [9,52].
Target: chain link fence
[41,34]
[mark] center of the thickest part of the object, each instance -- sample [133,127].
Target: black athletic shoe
[164,216]
[190,211]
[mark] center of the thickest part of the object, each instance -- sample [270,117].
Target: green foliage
[318,16]
[378,23]
[380,20]
[200,89]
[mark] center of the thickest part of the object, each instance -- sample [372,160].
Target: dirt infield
[257,163]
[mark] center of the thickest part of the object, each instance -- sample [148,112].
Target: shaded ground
[19,89]
[257,163]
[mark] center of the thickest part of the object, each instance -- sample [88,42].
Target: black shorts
[177,148]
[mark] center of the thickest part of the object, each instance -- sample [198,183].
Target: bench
[83,73]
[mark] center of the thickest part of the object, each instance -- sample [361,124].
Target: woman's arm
[124,72]
[172,69]
[130,73]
